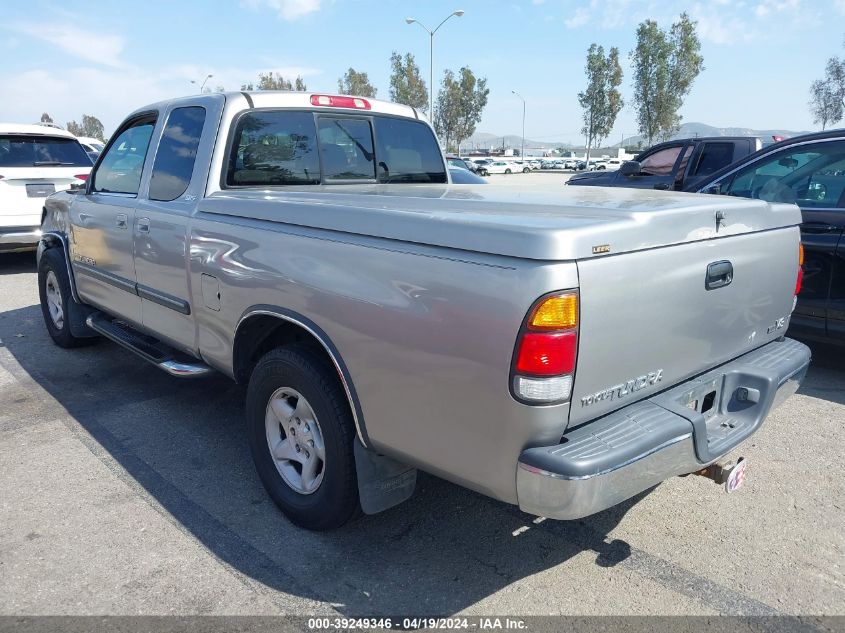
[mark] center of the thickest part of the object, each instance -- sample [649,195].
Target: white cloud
[287,9]
[112,93]
[766,7]
[579,18]
[93,46]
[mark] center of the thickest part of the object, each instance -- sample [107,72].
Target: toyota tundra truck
[560,349]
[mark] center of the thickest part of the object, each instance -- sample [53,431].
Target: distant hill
[702,129]
[485,140]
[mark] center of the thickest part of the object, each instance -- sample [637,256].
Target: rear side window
[21,150]
[407,152]
[177,153]
[119,170]
[274,148]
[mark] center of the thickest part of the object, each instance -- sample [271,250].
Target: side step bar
[150,349]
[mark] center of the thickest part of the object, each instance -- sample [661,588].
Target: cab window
[274,148]
[346,147]
[120,169]
[407,152]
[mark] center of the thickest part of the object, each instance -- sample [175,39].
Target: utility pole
[522,148]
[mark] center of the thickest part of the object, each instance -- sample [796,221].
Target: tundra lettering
[623,389]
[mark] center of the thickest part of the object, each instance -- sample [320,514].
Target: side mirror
[78,186]
[714,189]
[630,168]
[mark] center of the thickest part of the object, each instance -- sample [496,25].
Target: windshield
[36,150]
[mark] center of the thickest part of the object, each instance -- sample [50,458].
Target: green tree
[406,83]
[46,118]
[827,96]
[601,101]
[275,81]
[825,104]
[460,103]
[355,83]
[90,127]
[665,67]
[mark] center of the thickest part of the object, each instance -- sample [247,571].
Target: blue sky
[107,58]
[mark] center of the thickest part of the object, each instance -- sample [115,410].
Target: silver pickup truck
[562,350]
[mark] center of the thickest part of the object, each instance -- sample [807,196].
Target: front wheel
[525,170]
[301,434]
[508,171]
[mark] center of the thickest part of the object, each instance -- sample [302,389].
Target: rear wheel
[507,171]
[57,299]
[525,170]
[301,435]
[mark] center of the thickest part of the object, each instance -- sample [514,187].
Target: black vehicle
[809,171]
[673,165]
[461,176]
[454,161]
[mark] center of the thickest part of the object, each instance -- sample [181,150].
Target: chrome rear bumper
[19,238]
[600,464]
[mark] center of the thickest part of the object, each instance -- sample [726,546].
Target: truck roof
[24,128]
[297,99]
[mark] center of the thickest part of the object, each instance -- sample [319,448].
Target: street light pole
[202,86]
[522,149]
[431,33]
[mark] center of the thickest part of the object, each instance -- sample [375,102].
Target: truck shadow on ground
[181,446]
[826,369]
[17,263]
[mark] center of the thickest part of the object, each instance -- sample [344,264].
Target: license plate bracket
[40,189]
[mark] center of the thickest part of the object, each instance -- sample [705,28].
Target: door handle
[662,186]
[719,274]
[818,227]
[121,220]
[143,225]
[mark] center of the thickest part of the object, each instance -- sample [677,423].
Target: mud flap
[382,482]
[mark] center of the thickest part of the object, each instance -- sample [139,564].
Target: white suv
[35,161]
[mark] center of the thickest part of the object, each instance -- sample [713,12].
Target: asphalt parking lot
[125,491]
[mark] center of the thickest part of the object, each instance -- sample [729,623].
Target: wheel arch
[57,239]
[262,328]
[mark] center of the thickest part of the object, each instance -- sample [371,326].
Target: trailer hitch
[732,475]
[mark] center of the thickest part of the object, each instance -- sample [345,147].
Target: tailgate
[648,322]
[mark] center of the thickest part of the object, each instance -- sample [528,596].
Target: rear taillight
[81,176]
[800,279]
[340,101]
[546,350]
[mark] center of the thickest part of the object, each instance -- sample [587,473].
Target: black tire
[507,171]
[297,367]
[525,170]
[53,261]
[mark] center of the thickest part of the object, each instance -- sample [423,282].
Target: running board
[150,349]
